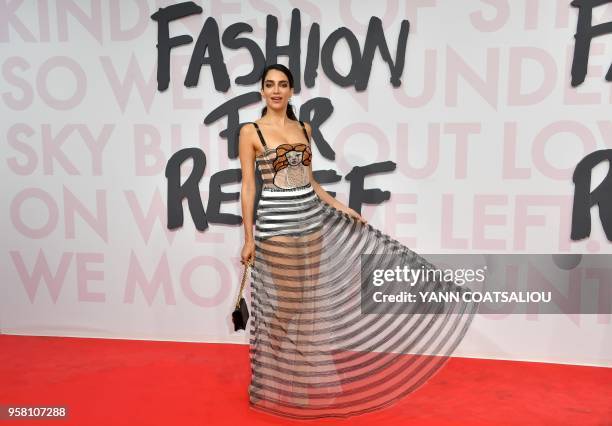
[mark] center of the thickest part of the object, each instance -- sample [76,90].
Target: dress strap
[305,132]
[261,138]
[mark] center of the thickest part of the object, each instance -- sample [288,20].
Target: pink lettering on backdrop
[146,220]
[357,27]
[593,246]
[483,220]
[394,217]
[97,223]
[71,206]
[10,21]
[562,14]
[448,240]
[149,158]
[406,159]
[558,208]
[412,12]
[428,84]
[41,272]
[96,145]
[361,98]
[458,67]
[257,20]
[510,170]
[462,131]
[179,140]
[76,75]
[494,16]
[311,12]
[84,275]
[209,139]
[55,68]
[532,12]
[345,160]
[535,17]
[50,220]
[89,20]
[137,277]
[517,77]
[545,147]
[22,168]
[44,21]
[222,274]
[552,131]
[221,8]
[557,205]
[122,86]
[151,148]
[51,147]
[120,33]
[26,97]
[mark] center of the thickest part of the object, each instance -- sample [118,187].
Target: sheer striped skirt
[313,353]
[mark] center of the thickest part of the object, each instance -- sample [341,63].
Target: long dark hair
[284,70]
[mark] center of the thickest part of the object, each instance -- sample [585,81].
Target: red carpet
[123,382]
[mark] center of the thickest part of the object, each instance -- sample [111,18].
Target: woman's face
[294,158]
[276,91]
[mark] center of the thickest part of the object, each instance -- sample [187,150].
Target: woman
[314,354]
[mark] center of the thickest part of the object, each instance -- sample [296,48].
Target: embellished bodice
[285,166]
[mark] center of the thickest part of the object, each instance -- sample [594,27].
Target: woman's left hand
[357,216]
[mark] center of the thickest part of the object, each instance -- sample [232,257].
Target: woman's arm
[246,151]
[324,195]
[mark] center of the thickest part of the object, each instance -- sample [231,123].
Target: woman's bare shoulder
[247,137]
[247,129]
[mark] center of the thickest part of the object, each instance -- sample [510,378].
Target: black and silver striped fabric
[313,352]
[288,212]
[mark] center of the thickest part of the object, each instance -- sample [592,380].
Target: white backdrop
[485,130]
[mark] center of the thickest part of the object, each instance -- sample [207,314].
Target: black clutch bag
[240,316]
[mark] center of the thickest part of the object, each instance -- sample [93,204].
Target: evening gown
[313,352]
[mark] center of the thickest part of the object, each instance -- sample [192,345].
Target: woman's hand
[356,215]
[331,201]
[248,251]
